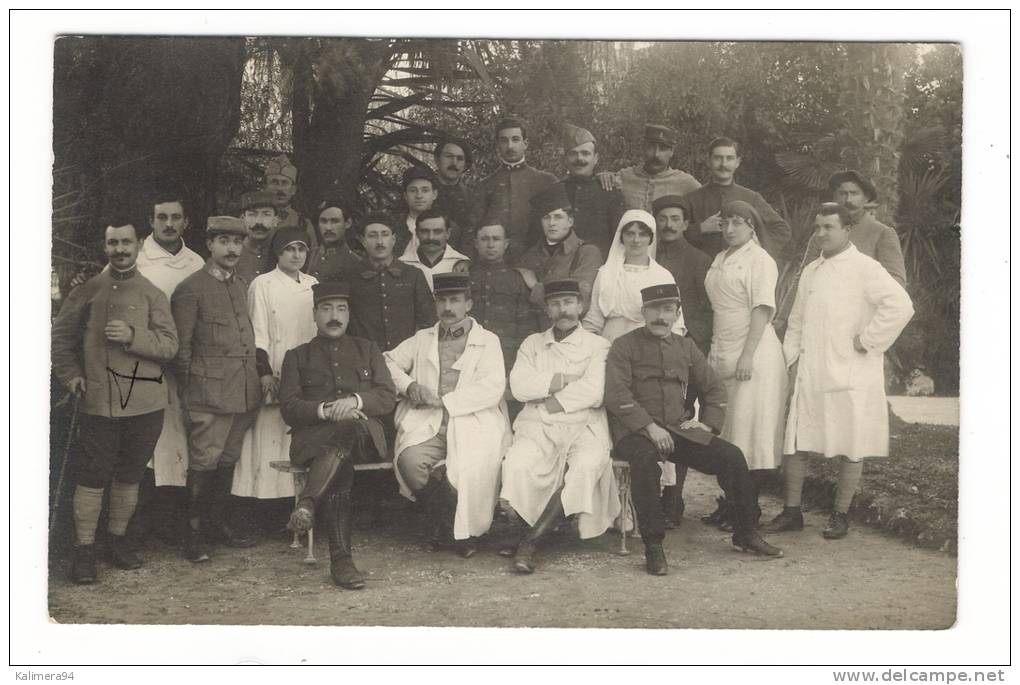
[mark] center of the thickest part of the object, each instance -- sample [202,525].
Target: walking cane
[63,461]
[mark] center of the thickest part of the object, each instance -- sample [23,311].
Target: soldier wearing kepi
[109,343]
[559,461]
[281,180]
[258,212]
[648,373]
[333,390]
[451,380]
[219,384]
[642,185]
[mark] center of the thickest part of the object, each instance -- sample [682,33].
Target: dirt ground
[868,580]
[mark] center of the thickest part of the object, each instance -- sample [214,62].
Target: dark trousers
[117,448]
[331,462]
[718,458]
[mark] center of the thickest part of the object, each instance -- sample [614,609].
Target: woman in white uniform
[280,306]
[746,353]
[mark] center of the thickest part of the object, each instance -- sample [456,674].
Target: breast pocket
[220,328]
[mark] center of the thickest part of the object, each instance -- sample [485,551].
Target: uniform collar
[549,336]
[216,272]
[122,275]
[455,332]
[670,339]
[371,272]
[411,256]
[515,165]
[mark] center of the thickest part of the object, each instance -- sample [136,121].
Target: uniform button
[336,363]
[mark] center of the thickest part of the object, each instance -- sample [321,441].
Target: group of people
[500,342]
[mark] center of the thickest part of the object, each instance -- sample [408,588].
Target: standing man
[597,211]
[702,207]
[260,219]
[648,374]
[281,180]
[431,251]
[501,299]
[505,195]
[453,159]
[848,311]
[109,344]
[421,194]
[333,389]
[219,385]
[642,185]
[559,461]
[333,254]
[390,300]
[560,255]
[450,379]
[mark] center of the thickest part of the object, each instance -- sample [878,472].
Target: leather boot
[751,541]
[720,514]
[220,528]
[83,566]
[433,499]
[837,528]
[200,485]
[655,559]
[120,553]
[338,529]
[141,523]
[673,505]
[553,512]
[790,518]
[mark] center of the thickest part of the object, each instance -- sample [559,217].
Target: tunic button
[336,363]
[114,287]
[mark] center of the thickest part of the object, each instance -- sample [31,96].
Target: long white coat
[477,432]
[166,271]
[838,405]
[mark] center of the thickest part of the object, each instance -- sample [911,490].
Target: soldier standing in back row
[642,185]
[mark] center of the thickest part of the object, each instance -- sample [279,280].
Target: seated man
[648,373]
[559,461]
[450,380]
[333,389]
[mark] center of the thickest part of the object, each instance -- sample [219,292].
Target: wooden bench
[300,474]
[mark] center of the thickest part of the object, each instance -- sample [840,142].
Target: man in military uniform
[333,254]
[453,158]
[641,185]
[219,384]
[390,300]
[281,180]
[702,207]
[333,389]
[109,344]
[431,251]
[597,211]
[648,373]
[501,299]
[261,220]
[421,194]
[505,195]
[560,255]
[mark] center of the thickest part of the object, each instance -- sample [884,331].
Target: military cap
[287,236]
[329,290]
[660,134]
[563,286]
[469,160]
[281,166]
[574,136]
[415,173]
[452,282]
[660,293]
[551,199]
[257,199]
[852,176]
[224,225]
[661,203]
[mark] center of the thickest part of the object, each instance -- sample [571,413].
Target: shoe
[83,566]
[195,548]
[338,530]
[120,553]
[719,515]
[751,541]
[837,528]
[467,548]
[524,557]
[655,560]
[789,519]
[508,550]
[301,519]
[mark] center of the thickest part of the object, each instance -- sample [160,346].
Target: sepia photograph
[370,330]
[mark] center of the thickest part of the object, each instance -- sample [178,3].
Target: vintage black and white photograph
[509,332]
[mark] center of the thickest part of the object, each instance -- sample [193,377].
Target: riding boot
[200,485]
[433,498]
[221,527]
[323,470]
[141,523]
[337,506]
[553,512]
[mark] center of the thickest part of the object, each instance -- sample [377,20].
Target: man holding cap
[504,196]
[597,211]
[258,211]
[450,380]
[281,180]
[559,461]
[703,206]
[648,374]
[333,389]
[641,185]
[561,254]
[219,384]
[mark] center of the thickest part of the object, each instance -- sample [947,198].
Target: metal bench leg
[310,558]
[299,485]
[624,486]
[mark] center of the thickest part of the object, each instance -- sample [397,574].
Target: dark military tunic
[501,303]
[325,369]
[254,262]
[647,379]
[216,358]
[689,267]
[597,211]
[775,236]
[572,258]
[325,261]
[456,201]
[504,197]
[388,305]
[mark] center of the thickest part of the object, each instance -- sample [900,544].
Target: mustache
[660,322]
[331,324]
[430,242]
[566,317]
[260,226]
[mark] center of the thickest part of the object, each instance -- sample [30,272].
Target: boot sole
[522,568]
[830,536]
[757,553]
